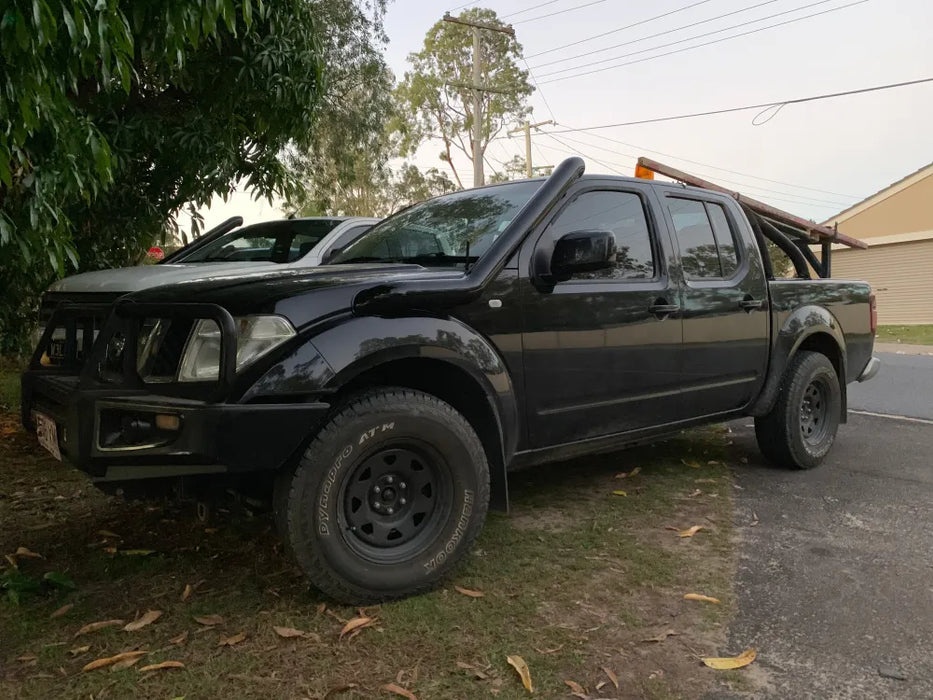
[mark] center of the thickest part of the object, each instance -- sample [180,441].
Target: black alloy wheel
[393,499]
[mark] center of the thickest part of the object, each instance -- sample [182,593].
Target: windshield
[448,230]
[273,241]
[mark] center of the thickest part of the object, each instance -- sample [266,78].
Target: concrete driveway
[835,572]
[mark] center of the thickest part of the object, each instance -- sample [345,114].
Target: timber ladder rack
[790,233]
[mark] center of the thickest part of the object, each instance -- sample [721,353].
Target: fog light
[167,421]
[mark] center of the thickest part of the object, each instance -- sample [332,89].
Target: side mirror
[582,251]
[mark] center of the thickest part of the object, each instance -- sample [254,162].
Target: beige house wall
[905,211]
[901,275]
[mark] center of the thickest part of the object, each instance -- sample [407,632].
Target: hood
[301,295]
[133,279]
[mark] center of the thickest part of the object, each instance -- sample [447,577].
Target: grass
[916,335]
[573,581]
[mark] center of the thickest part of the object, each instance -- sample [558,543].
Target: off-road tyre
[801,427]
[389,495]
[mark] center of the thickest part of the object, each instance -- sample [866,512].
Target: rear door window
[705,238]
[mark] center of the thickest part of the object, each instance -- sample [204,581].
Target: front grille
[70,342]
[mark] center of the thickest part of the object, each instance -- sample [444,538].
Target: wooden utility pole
[478,89]
[526,127]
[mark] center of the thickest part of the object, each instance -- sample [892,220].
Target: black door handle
[661,308]
[750,304]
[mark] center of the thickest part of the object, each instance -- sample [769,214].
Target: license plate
[57,350]
[47,432]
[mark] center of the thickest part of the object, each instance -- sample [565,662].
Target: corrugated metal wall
[901,274]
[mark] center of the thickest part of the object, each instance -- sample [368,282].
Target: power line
[726,170]
[708,43]
[679,41]
[614,31]
[460,7]
[666,31]
[560,12]
[534,80]
[800,198]
[529,9]
[577,151]
[797,100]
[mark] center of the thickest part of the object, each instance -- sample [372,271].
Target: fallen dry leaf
[26,657]
[94,626]
[163,665]
[136,552]
[62,610]
[321,607]
[624,475]
[696,493]
[185,594]
[612,676]
[399,690]
[291,632]
[692,464]
[701,597]
[125,663]
[209,620]
[231,641]
[180,639]
[549,651]
[619,492]
[338,689]
[518,663]
[468,592]
[147,619]
[24,552]
[357,623]
[79,650]
[661,637]
[108,533]
[111,660]
[730,662]
[691,531]
[575,688]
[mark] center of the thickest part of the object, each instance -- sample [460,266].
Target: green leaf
[69,23]
[60,580]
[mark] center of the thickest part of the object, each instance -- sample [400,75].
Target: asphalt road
[835,570]
[903,386]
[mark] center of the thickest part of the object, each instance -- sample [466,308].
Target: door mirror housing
[582,251]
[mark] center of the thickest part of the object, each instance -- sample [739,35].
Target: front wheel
[801,426]
[387,498]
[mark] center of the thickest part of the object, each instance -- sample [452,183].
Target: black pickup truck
[384,396]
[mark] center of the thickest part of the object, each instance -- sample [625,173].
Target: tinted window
[274,241]
[725,241]
[698,253]
[620,213]
[446,231]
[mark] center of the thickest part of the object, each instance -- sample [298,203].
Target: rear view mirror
[583,251]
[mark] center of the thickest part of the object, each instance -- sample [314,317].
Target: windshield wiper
[440,258]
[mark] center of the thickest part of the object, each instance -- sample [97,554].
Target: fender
[801,324]
[334,357]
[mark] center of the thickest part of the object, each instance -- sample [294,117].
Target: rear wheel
[801,426]
[387,498]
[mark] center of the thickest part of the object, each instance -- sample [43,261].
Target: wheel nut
[376,489]
[389,479]
[402,501]
[402,484]
[390,510]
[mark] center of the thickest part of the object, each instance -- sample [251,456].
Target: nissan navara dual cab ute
[386,395]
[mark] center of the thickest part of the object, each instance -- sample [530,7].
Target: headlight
[256,336]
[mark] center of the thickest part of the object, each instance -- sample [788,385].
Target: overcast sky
[851,146]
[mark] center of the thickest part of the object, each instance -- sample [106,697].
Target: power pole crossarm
[526,127]
[504,29]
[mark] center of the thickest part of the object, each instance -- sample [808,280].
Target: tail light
[873,307]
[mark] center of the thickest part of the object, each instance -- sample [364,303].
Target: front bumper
[871,369]
[114,436]
[115,426]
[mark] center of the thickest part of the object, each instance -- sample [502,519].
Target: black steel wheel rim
[814,412]
[393,499]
